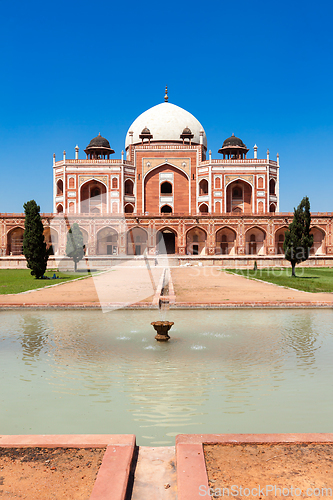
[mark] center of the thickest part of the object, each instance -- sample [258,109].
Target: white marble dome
[166,122]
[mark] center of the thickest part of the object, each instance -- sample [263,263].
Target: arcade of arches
[198,239]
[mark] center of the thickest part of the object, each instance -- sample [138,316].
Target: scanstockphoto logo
[124,270]
[269,491]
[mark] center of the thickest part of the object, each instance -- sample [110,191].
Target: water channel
[222,371]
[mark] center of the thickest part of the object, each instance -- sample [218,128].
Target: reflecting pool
[222,371]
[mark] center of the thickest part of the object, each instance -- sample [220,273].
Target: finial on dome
[166,94]
[232,135]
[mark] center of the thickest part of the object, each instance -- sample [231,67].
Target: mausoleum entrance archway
[166,241]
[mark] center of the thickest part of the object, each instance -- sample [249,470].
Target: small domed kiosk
[98,149]
[233,148]
[145,134]
[187,134]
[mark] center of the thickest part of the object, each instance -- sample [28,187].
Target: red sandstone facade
[167,190]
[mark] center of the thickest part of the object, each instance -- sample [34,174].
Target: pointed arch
[129,208]
[255,240]
[279,237]
[166,240]
[137,240]
[93,198]
[107,241]
[225,241]
[166,209]
[238,194]
[196,241]
[203,208]
[129,187]
[15,241]
[319,241]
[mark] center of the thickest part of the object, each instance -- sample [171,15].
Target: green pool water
[242,371]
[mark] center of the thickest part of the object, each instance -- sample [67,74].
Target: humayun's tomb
[165,185]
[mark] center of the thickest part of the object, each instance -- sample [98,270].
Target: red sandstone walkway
[195,286]
[209,285]
[121,285]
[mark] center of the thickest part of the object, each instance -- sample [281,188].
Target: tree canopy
[74,245]
[34,246]
[298,240]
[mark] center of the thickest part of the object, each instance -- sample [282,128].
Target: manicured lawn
[307,279]
[20,280]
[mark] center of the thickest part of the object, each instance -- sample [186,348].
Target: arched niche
[225,241]
[319,246]
[255,239]
[129,187]
[15,241]
[272,208]
[279,240]
[272,185]
[196,241]
[107,241]
[166,188]
[60,187]
[203,208]
[137,239]
[93,197]
[166,209]
[203,187]
[129,208]
[60,209]
[239,196]
[51,240]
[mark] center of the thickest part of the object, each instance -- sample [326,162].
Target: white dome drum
[166,122]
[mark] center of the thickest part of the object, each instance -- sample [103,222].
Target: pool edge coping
[191,466]
[173,306]
[112,479]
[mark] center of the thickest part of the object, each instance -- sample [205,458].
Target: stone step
[155,474]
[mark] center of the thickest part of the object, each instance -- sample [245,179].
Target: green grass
[311,279]
[20,280]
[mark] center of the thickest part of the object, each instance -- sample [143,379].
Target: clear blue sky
[71,69]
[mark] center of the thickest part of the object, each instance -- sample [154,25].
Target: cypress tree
[298,240]
[34,246]
[74,245]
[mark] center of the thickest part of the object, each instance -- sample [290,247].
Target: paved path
[209,285]
[123,286]
[155,474]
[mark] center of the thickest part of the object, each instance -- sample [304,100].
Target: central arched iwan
[180,192]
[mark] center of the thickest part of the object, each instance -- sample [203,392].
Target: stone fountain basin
[162,328]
